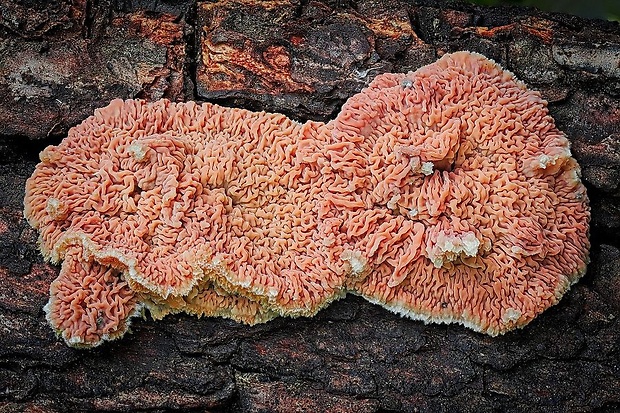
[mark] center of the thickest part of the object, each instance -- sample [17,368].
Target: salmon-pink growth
[445,194]
[505,215]
[203,209]
[89,303]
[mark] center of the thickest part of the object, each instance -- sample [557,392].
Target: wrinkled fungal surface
[446,194]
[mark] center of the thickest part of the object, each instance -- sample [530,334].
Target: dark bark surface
[60,60]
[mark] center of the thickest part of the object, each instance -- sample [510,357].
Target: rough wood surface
[60,60]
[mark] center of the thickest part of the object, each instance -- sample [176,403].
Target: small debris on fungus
[446,195]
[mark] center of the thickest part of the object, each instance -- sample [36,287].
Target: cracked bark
[301,58]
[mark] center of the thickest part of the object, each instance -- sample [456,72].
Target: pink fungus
[446,194]
[504,212]
[89,302]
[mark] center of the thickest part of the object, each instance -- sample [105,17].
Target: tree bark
[303,58]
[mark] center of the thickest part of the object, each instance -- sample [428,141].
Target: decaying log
[61,60]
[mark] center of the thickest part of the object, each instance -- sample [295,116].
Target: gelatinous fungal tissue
[445,195]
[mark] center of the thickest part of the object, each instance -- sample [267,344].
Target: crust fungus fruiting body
[498,216]
[446,194]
